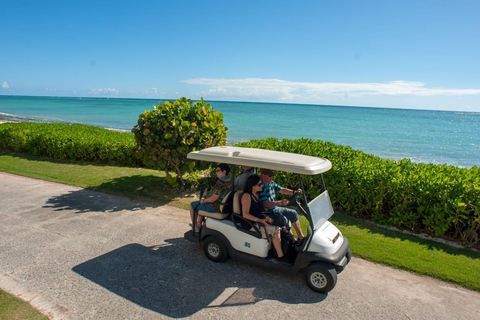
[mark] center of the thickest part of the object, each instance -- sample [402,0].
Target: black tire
[215,249]
[321,277]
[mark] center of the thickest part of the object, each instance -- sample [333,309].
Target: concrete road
[79,254]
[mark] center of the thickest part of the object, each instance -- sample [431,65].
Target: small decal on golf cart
[247,244]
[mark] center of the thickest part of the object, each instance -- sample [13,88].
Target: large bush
[166,134]
[440,200]
[69,141]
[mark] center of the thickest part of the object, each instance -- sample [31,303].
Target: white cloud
[104,91]
[151,92]
[282,90]
[5,85]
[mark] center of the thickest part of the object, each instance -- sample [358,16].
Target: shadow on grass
[146,187]
[371,228]
[179,285]
[138,183]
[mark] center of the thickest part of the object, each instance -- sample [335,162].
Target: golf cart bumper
[339,259]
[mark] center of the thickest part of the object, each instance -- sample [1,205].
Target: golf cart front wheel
[321,277]
[215,249]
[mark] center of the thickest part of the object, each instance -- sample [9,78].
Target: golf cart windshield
[320,209]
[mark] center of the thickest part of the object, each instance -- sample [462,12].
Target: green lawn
[367,240]
[12,308]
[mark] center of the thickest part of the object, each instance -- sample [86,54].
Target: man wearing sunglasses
[269,199]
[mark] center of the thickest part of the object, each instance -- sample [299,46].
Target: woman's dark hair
[251,182]
[224,167]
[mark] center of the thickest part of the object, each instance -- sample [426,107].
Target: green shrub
[440,200]
[69,141]
[168,133]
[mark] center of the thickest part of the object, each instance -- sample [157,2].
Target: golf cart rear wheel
[321,277]
[215,250]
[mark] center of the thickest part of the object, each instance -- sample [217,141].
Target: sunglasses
[269,175]
[259,184]
[218,170]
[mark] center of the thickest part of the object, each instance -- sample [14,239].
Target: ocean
[422,136]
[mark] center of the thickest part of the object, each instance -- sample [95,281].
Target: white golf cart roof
[260,158]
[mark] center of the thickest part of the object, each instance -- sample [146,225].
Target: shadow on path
[83,201]
[176,280]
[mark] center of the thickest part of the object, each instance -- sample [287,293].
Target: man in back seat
[212,203]
[241,180]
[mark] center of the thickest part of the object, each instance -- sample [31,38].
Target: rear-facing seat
[225,208]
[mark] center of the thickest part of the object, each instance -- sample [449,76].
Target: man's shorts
[288,213]
[202,207]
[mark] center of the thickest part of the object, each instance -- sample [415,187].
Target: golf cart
[324,253]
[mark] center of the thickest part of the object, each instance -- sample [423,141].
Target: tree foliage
[166,134]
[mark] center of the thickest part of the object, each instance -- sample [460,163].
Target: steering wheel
[294,199]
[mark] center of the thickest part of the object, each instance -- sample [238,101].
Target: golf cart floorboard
[191,236]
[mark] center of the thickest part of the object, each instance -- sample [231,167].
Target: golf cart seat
[225,208]
[243,224]
[237,203]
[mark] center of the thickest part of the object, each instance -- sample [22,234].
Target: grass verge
[13,308]
[367,240]
[409,252]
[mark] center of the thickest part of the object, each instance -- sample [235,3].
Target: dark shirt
[256,207]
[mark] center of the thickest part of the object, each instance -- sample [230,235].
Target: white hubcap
[318,280]
[213,250]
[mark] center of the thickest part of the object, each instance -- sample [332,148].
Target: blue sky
[402,54]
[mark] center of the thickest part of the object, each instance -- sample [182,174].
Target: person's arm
[246,203]
[289,192]
[275,203]
[211,199]
[216,191]
[264,195]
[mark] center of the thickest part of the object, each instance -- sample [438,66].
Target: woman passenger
[252,209]
[212,203]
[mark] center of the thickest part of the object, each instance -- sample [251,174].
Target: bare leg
[276,244]
[191,213]
[199,220]
[298,229]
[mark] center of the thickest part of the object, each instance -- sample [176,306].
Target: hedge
[440,200]
[69,141]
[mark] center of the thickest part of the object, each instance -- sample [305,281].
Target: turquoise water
[422,136]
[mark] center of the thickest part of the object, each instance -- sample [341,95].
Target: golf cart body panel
[240,241]
[260,158]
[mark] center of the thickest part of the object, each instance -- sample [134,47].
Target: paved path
[79,254]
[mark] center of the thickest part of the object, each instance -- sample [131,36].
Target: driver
[270,202]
